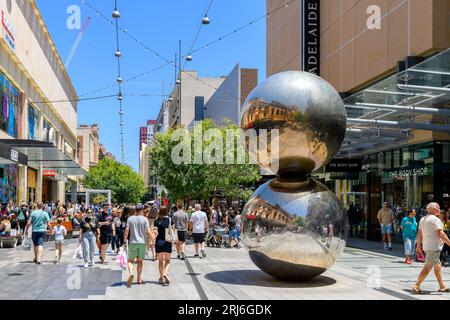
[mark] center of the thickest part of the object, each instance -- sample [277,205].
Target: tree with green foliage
[202,179]
[126,185]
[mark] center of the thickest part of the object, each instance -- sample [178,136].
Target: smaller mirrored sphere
[304,119]
[294,230]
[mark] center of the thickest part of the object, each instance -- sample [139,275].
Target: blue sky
[158,24]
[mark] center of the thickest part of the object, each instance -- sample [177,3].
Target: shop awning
[383,115]
[9,155]
[46,154]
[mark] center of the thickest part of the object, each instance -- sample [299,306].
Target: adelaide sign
[311,36]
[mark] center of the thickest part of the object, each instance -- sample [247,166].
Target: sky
[159,24]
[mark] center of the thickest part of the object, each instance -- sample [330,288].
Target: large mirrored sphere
[310,117]
[294,230]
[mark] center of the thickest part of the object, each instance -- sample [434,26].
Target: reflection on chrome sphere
[294,230]
[310,117]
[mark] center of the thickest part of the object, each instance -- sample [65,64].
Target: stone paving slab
[226,274]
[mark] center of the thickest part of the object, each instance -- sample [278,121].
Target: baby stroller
[221,237]
[210,241]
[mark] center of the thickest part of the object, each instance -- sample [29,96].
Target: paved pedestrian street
[359,274]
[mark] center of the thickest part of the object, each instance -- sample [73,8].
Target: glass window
[33,123]
[380,161]
[9,109]
[446,153]
[406,157]
[48,133]
[396,158]
[388,160]
[199,108]
[68,150]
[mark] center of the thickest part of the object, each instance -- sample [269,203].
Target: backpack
[21,216]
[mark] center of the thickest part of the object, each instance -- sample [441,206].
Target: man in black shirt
[107,232]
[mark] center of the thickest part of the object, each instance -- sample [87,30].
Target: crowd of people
[141,230]
[409,224]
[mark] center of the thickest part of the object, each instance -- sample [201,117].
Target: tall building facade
[32,126]
[227,101]
[389,61]
[146,135]
[188,98]
[89,146]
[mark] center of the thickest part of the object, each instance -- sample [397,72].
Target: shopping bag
[122,258]
[171,234]
[26,244]
[78,255]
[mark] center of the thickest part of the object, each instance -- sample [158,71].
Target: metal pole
[179,66]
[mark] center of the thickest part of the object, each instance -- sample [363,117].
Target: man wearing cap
[138,228]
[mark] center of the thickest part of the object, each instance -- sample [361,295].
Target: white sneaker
[86,265]
[91,264]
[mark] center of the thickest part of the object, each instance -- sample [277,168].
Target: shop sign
[410,173]
[8,31]
[14,155]
[49,173]
[311,36]
[344,165]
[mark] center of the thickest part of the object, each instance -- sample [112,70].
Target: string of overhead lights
[99,98]
[74,100]
[118,54]
[205,20]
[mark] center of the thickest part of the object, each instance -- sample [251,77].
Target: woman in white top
[60,233]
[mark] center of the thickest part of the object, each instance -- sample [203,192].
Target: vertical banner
[311,36]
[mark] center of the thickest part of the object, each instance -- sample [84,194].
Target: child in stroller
[218,236]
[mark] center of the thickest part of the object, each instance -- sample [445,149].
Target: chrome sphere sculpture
[294,226]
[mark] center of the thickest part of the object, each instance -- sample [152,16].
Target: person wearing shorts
[163,248]
[199,226]
[431,233]
[180,220]
[107,231]
[39,223]
[60,232]
[138,229]
[386,216]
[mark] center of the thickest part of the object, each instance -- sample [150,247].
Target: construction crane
[77,42]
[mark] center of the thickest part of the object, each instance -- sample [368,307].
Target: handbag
[170,233]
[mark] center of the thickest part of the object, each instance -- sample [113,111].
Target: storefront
[407,177]
[54,166]
[31,184]
[10,160]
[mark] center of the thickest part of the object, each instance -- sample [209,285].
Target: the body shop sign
[8,31]
[311,36]
[410,172]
